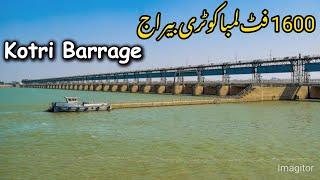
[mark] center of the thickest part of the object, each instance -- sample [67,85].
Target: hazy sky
[115,22]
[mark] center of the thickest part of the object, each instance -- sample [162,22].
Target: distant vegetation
[9,83]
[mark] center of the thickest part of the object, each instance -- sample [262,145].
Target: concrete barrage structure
[300,86]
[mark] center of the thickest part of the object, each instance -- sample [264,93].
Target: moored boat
[73,105]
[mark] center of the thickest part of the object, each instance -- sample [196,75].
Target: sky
[115,23]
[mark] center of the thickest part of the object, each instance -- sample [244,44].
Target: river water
[224,141]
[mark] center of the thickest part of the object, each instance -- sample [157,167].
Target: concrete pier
[134,88]
[106,87]
[302,92]
[114,88]
[223,90]
[146,88]
[177,89]
[91,87]
[98,87]
[160,89]
[124,88]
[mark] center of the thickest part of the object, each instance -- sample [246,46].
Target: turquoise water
[225,141]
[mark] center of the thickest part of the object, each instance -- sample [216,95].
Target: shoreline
[5,86]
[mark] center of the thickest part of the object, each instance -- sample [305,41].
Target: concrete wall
[303,92]
[276,93]
[223,90]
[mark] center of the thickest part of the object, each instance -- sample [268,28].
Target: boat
[73,105]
